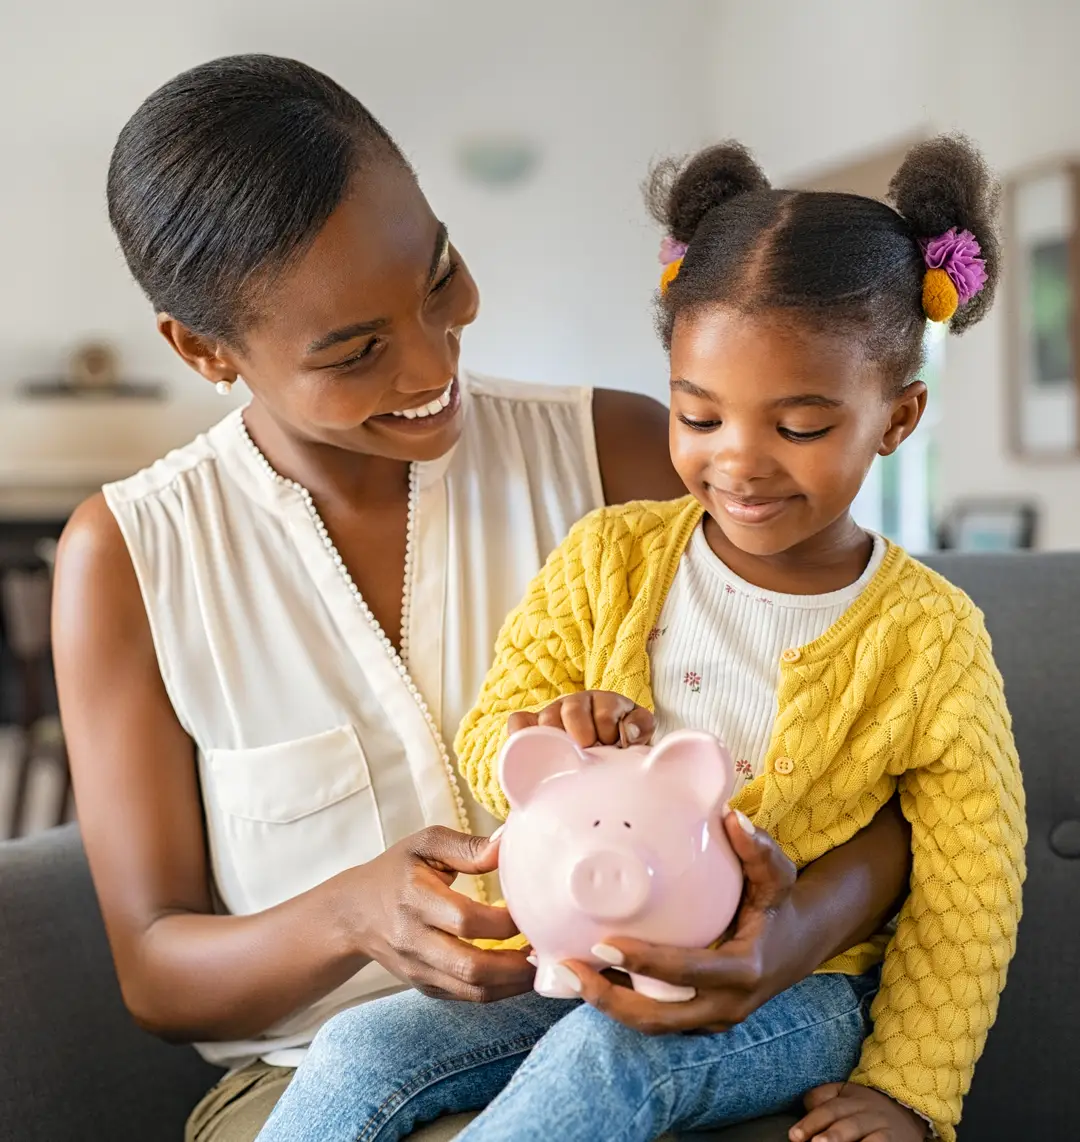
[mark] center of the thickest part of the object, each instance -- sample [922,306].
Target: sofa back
[1025,1084]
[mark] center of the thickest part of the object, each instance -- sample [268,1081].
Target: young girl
[836,668]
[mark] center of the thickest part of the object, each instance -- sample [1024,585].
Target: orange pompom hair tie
[671,272]
[940,299]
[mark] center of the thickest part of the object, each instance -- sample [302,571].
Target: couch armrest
[74,1065]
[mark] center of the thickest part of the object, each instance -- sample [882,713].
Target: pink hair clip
[670,250]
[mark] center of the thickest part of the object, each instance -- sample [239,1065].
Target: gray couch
[73,1066]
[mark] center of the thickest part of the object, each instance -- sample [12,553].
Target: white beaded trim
[373,622]
[406,589]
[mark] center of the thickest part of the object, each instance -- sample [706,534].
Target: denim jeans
[556,1069]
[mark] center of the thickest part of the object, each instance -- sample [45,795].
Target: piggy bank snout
[610,884]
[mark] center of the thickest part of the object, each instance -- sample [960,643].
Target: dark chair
[25,600]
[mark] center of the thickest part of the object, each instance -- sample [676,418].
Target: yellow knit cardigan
[902,692]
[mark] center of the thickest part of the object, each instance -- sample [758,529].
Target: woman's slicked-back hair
[225,174]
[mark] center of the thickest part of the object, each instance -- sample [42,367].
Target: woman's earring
[224,387]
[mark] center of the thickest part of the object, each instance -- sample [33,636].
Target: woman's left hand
[845,1112]
[763,956]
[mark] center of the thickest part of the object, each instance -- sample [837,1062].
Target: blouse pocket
[283,818]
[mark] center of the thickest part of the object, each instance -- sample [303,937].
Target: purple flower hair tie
[959,254]
[670,250]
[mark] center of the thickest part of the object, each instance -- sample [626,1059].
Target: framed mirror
[1042,266]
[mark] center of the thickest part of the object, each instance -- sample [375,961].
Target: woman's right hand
[593,717]
[409,918]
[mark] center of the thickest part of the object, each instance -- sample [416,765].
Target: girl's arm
[185,972]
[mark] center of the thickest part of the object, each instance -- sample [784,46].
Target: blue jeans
[557,1069]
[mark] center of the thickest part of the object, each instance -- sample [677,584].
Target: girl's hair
[839,262]
[228,172]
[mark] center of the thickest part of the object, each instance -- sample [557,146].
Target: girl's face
[365,324]
[774,426]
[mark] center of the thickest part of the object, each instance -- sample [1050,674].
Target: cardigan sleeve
[540,655]
[946,966]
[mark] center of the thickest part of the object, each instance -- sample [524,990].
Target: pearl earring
[224,387]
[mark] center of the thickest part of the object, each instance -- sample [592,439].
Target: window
[898,498]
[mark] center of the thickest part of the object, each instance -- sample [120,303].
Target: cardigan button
[792,654]
[784,766]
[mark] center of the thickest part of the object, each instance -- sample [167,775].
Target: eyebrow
[808,400]
[802,400]
[679,385]
[362,328]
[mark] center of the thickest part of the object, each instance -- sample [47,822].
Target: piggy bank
[610,842]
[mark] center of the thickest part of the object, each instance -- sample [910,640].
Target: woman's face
[356,344]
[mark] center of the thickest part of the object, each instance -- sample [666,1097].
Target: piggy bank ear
[530,757]
[699,762]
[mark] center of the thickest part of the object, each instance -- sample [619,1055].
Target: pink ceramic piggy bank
[616,842]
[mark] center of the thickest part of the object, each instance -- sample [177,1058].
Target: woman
[264,641]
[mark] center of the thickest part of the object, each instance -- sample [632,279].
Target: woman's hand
[761,958]
[593,717]
[845,1112]
[415,925]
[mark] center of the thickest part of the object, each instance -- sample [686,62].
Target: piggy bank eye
[595,824]
[627,824]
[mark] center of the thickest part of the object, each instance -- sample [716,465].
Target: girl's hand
[761,958]
[845,1112]
[593,717]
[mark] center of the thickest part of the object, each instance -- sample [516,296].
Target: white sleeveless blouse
[317,748]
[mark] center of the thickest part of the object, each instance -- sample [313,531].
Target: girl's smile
[774,426]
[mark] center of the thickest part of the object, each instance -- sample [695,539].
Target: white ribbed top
[715,651]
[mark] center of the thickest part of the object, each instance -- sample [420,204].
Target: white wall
[809,85]
[566,264]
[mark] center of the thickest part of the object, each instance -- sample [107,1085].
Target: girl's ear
[908,407]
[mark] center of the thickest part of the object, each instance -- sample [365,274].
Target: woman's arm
[185,972]
[632,447]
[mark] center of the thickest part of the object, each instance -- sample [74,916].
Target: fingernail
[632,732]
[609,955]
[567,978]
[745,823]
[724,810]
[532,960]
[497,834]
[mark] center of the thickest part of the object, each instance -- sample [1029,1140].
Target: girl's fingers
[521,721]
[637,727]
[577,719]
[821,1094]
[837,1120]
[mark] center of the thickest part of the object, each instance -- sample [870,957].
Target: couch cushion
[72,1062]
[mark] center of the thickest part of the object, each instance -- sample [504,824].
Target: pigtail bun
[680,192]
[944,183]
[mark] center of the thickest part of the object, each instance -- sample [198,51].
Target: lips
[753,510]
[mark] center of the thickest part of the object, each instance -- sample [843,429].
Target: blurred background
[531,127]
